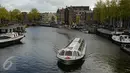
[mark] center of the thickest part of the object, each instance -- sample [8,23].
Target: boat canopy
[75,44]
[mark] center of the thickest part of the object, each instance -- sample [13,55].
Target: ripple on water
[101,63]
[32,65]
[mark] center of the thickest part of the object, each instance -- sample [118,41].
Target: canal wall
[91,29]
[104,33]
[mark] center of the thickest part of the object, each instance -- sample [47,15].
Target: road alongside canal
[37,53]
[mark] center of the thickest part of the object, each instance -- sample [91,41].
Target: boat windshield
[68,53]
[62,53]
[76,53]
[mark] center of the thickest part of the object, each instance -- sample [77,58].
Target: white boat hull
[117,40]
[10,41]
[73,61]
[70,62]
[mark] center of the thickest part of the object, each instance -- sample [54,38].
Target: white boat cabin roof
[74,45]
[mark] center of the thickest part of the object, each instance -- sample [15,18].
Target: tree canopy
[34,15]
[4,15]
[16,15]
[112,12]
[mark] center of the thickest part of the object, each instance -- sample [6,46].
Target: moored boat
[74,52]
[121,39]
[10,35]
[10,38]
[118,31]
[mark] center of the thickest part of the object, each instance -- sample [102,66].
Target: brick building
[60,16]
[78,15]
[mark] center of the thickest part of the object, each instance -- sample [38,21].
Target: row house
[60,16]
[75,15]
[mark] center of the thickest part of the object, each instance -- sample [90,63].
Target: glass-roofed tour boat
[74,52]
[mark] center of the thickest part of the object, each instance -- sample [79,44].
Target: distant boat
[117,31]
[74,52]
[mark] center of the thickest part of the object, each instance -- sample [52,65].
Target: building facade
[60,16]
[77,15]
[47,17]
[25,17]
[44,17]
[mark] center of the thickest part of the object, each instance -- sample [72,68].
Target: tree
[34,15]
[4,15]
[125,11]
[16,15]
[53,19]
[99,11]
[112,12]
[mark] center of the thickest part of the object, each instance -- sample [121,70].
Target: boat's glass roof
[70,47]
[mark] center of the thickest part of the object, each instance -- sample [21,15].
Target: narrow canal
[37,53]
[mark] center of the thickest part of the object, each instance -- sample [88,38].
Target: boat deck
[105,31]
[75,44]
[11,39]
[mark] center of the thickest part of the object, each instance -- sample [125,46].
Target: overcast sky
[44,5]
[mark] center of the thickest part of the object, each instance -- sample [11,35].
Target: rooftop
[80,7]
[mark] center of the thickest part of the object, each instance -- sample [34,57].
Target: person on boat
[121,38]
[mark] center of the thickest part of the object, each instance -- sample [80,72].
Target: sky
[44,5]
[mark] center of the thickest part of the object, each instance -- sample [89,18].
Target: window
[78,54]
[125,37]
[74,53]
[68,53]
[82,46]
[80,41]
[10,30]
[62,53]
[127,46]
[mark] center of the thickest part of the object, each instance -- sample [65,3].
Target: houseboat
[11,35]
[74,52]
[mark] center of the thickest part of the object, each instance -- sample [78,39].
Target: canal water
[37,53]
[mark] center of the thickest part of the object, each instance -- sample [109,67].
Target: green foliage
[77,19]
[124,8]
[4,15]
[112,9]
[88,18]
[99,11]
[53,19]
[16,15]
[34,15]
